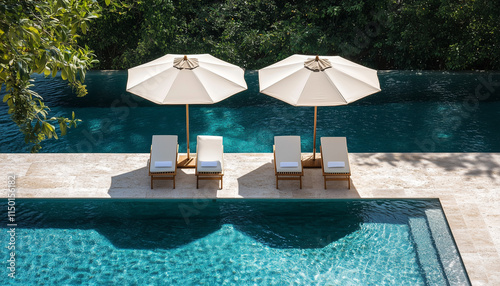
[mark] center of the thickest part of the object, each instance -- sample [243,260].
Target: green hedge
[383,34]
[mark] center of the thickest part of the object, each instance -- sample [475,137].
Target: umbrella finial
[316,64]
[185,63]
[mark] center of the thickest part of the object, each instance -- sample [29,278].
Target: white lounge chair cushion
[287,150]
[209,163]
[209,150]
[335,155]
[336,164]
[163,149]
[163,164]
[289,164]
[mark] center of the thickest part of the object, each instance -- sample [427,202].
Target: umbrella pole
[314,140]
[187,130]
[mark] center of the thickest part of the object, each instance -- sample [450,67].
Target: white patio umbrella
[303,80]
[186,79]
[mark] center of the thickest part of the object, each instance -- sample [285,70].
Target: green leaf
[108,2]
[35,35]
[37,127]
[84,27]
[64,74]
[63,127]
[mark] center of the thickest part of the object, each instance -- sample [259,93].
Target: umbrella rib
[224,78]
[360,81]
[156,74]
[281,78]
[292,72]
[201,83]
[278,66]
[169,87]
[335,86]
[304,86]
[350,76]
[219,65]
[167,63]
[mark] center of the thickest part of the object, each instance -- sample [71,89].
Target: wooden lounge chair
[209,159]
[162,163]
[335,160]
[287,159]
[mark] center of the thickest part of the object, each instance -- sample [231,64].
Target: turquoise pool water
[415,112]
[232,242]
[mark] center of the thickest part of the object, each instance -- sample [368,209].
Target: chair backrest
[163,148]
[334,149]
[287,149]
[209,148]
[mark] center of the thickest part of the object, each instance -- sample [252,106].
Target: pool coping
[466,184]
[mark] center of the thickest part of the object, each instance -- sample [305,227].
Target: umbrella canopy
[186,79]
[303,80]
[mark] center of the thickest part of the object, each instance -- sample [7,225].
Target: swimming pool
[415,112]
[233,242]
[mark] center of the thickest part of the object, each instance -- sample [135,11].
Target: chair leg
[197,180]
[300,178]
[221,182]
[173,179]
[349,183]
[324,179]
[151,182]
[276,182]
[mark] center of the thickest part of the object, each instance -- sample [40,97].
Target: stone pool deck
[467,184]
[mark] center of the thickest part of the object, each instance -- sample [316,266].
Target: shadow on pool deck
[137,184]
[473,164]
[260,182]
[241,180]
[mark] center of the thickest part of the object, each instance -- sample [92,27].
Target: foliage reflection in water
[415,112]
